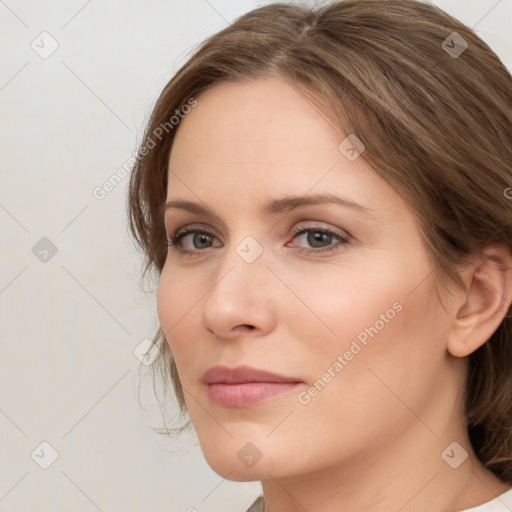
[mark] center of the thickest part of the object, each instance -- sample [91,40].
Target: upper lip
[242,374]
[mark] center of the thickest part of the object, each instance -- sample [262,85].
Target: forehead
[234,120]
[264,138]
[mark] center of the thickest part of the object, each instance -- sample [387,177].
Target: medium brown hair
[437,126]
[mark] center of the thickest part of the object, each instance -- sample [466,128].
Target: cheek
[359,400]
[350,301]
[382,317]
[176,301]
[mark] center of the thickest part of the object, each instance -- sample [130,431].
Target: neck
[408,474]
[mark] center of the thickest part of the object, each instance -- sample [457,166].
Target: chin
[241,460]
[231,468]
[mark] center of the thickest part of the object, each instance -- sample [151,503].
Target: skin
[372,439]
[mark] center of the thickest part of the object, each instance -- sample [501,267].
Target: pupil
[201,237]
[316,236]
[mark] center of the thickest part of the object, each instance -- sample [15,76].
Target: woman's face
[333,295]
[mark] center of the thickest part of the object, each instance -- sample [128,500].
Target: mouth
[244,386]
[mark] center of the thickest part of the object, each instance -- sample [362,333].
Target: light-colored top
[502,503]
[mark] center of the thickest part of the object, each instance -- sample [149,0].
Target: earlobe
[487,301]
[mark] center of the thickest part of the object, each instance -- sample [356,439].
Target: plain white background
[70,321]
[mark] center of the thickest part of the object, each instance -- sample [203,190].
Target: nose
[239,302]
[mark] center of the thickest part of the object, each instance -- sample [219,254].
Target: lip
[244,386]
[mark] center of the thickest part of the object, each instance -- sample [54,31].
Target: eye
[321,239]
[198,237]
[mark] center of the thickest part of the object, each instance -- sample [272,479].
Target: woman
[324,195]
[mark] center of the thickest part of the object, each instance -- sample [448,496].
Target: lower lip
[248,393]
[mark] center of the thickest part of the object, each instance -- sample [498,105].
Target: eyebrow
[275,206]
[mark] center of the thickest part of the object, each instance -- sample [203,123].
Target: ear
[480,310]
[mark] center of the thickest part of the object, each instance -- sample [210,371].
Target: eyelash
[176,239]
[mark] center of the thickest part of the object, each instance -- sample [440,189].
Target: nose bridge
[241,267]
[239,295]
